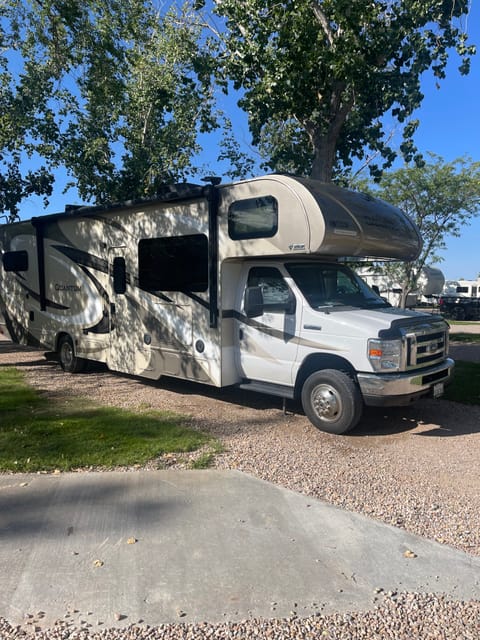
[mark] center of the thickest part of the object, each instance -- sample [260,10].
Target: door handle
[240,334]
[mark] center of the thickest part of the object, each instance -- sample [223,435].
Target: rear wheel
[68,360]
[332,401]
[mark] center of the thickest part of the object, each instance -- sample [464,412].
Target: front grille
[426,345]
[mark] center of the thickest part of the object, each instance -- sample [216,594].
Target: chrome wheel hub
[326,402]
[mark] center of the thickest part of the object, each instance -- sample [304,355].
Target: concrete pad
[164,546]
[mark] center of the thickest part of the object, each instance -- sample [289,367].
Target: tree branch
[322,19]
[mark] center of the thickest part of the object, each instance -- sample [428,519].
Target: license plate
[438,390]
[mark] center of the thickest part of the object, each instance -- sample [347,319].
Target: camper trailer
[386,286]
[429,285]
[229,284]
[462,288]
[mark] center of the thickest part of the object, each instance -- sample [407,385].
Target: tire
[68,360]
[458,313]
[332,401]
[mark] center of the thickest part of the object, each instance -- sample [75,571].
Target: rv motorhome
[235,284]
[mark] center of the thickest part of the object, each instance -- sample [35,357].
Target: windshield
[333,285]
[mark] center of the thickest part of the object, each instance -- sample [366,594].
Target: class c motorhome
[232,284]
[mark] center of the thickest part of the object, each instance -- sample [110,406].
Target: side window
[15,261]
[178,263]
[253,218]
[276,294]
[119,275]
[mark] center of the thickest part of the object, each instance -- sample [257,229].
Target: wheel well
[317,362]
[63,334]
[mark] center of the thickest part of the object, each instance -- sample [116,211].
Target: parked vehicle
[236,284]
[460,307]
[462,288]
[386,286]
[429,286]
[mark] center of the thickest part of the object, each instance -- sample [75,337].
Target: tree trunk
[323,159]
[325,142]
[403,297]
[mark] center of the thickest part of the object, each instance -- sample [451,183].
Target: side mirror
[253,302]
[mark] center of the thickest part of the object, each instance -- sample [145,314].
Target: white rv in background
[237,284]
[386,286]
[430,284]
[460,299]
[462,288]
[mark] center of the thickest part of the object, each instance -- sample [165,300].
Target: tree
[440,197]
[24,118]
[114,90]
[318,76]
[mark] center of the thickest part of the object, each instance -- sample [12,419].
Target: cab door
[267,344]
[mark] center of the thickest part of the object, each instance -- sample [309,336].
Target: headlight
[385,355]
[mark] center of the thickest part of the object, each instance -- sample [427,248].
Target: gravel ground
[416,468]
[403,617]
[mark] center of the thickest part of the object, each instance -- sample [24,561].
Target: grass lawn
[465,386]
[465,337]
[38,434]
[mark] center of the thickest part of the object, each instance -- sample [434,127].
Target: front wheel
[68,360]
[332,401]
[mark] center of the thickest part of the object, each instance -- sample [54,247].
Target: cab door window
[277,296]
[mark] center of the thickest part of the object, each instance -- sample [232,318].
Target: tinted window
[119,275]
[253,218]
[15,261]
[177,263]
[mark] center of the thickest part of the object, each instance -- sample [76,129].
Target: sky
[449,127]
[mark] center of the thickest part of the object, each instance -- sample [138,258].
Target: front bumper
[397,389]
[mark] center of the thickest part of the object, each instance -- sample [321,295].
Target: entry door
[267,346]
[123,320]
